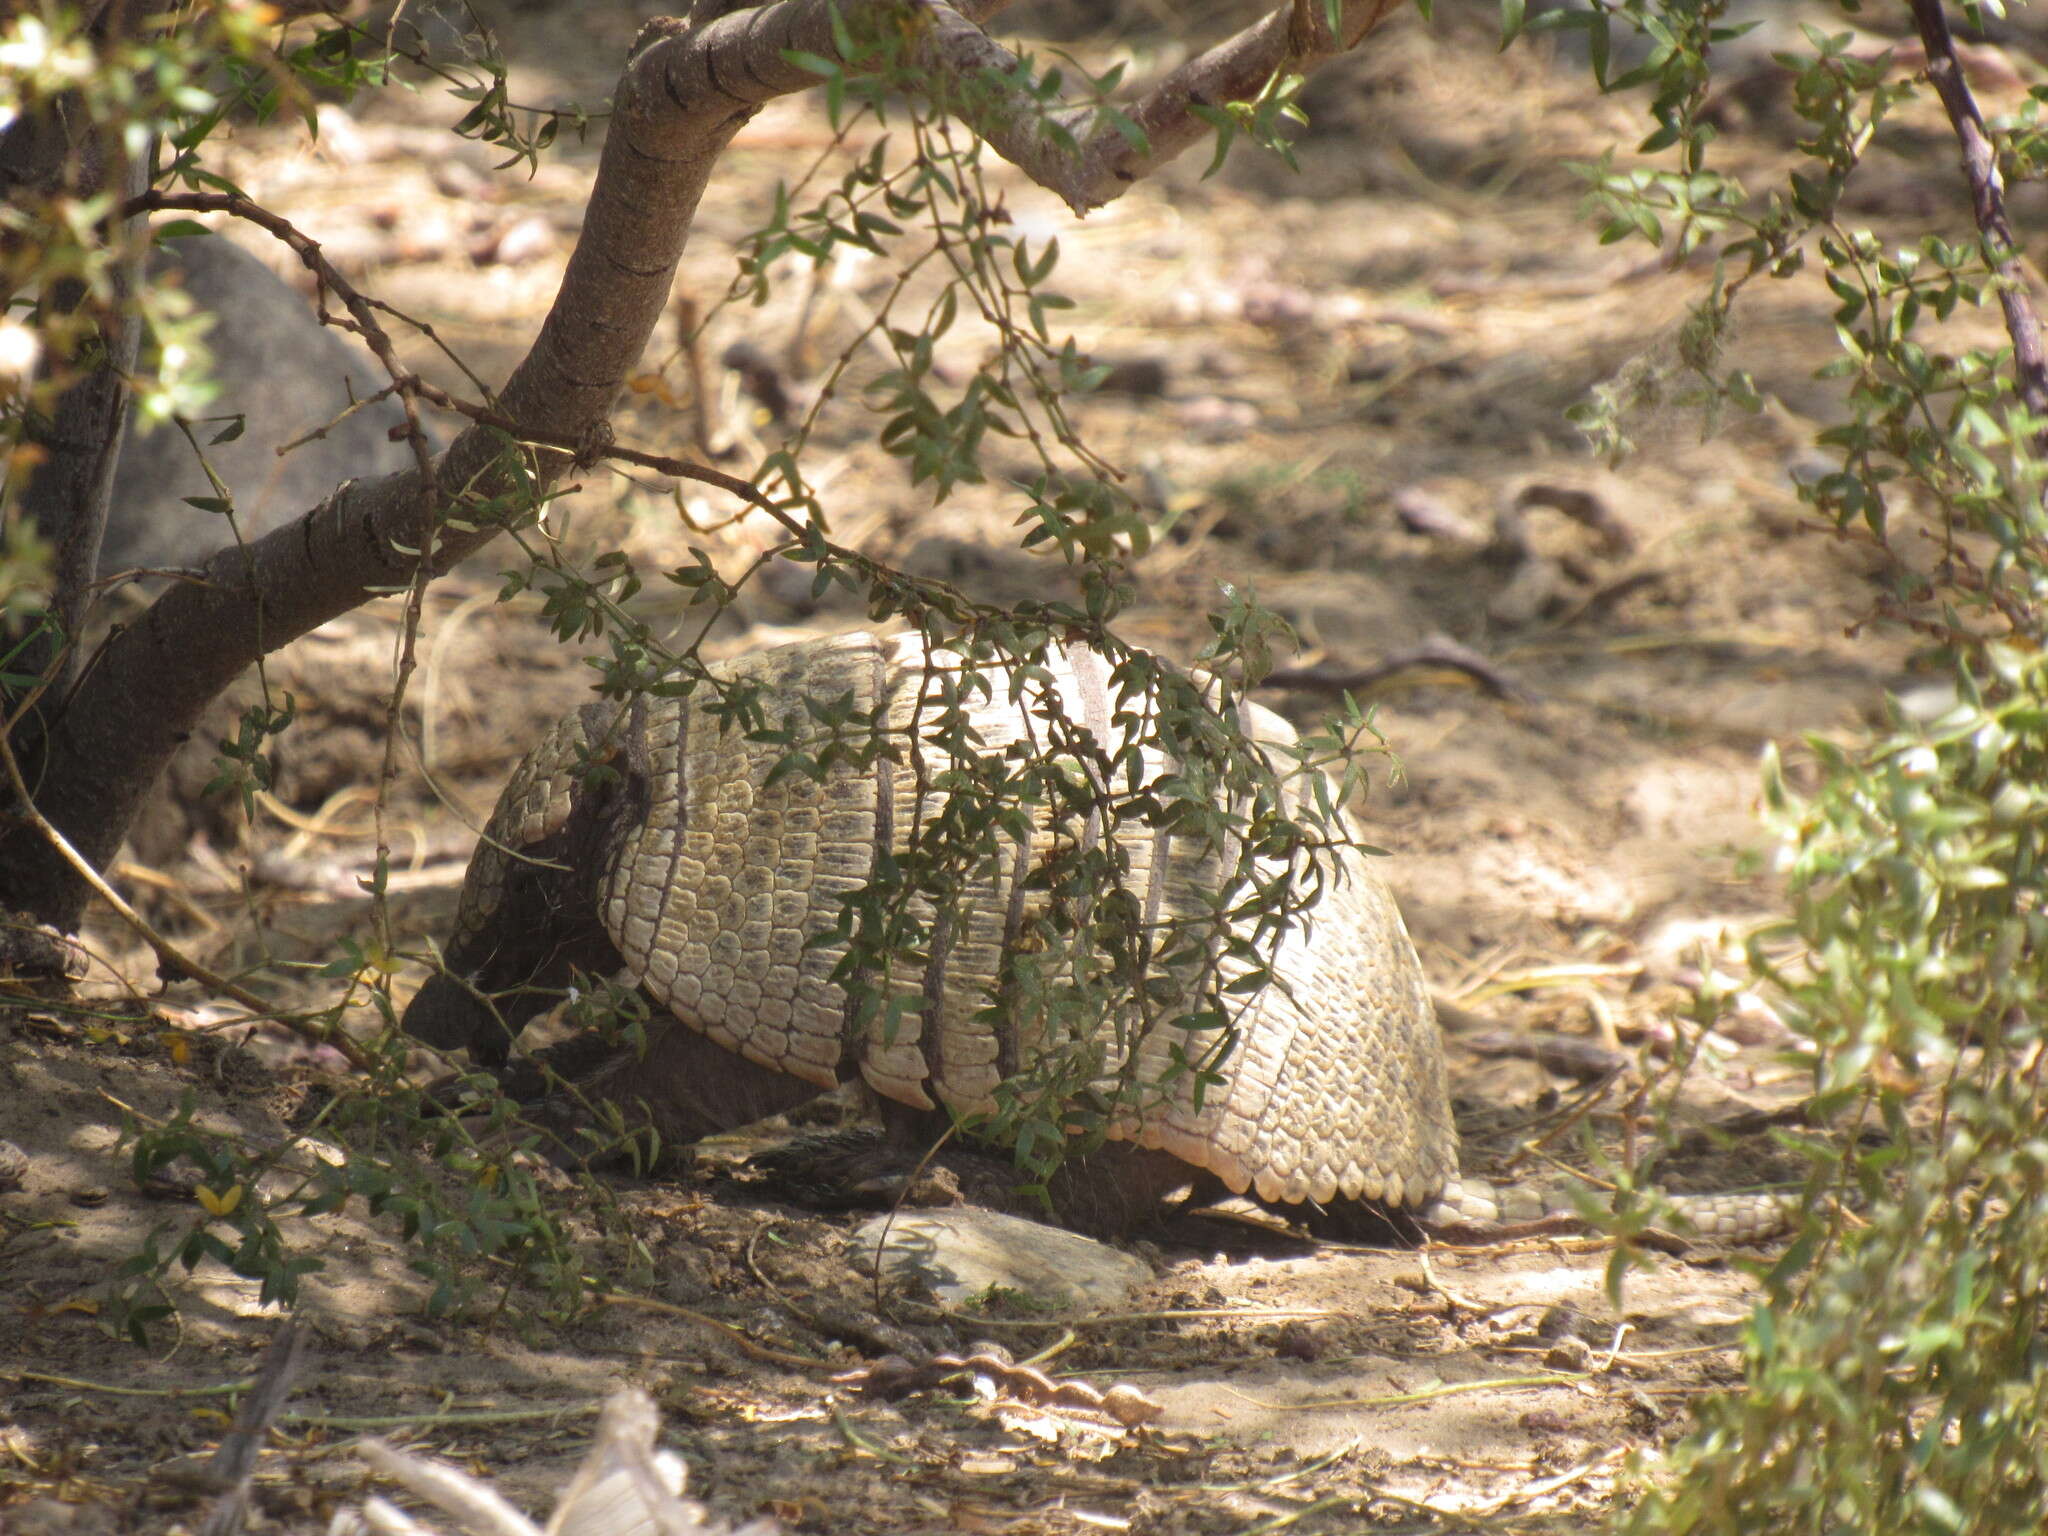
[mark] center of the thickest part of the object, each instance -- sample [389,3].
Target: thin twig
[746,1345]
[1430,1394]
[362,320]
[1987,198]
[661,464]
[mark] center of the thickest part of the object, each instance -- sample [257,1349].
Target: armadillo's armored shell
[718,900]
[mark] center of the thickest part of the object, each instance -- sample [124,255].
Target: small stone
[1569,1354]
[1141,376]
[460,180]
[1422,512]
[1214,419]
[963,1253]
[341,141]
[527,239]
[50,1517]
[1276,305]
[1130,1407]
[1307,1342]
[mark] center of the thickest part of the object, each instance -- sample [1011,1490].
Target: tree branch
[686,90]
[1107,164]
[134,708]
[1987,197]
[979,83]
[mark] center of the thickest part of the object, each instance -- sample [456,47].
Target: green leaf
[1512,14]
[817,64]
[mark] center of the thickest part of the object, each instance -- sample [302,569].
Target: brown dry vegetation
[1398,329]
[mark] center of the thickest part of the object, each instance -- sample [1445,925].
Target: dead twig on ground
[234,1463]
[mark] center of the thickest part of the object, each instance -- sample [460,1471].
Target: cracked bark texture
[686,90]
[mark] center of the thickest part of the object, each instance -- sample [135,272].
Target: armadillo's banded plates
[713,899]
[1337,1087]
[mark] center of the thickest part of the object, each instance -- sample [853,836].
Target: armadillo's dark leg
[1117,1190]
[1121,1190]
[686,1087]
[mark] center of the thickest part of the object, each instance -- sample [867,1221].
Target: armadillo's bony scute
[714,896]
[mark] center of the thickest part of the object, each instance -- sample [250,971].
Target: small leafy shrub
[1897,1371]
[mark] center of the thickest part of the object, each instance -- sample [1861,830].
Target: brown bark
[684,94]
[72,491]
[49,153]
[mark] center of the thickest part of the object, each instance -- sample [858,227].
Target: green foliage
[1895,1374]
[1897,1379]
[160,93]
[457,1178]
[24,564]
[1265,121]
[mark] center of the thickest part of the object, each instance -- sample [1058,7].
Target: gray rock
[961,1253]
[286,374]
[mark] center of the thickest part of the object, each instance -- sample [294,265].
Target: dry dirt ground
[1359,372]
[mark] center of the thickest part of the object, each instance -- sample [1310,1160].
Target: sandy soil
[1388,340]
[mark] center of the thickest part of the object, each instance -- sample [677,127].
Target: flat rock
[961,1253]
[282,371]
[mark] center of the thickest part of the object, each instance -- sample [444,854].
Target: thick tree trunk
[50,153]
[683,96]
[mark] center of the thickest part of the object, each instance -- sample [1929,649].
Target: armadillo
[718,879]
